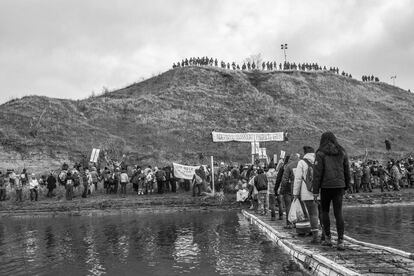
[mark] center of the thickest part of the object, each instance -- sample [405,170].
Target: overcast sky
[67,49]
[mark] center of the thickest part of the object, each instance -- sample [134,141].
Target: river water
[387,225]
[185,243]
[190,243]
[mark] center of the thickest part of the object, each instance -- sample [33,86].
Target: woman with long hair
[331,179]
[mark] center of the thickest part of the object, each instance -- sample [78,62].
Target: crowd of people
[89,180]
[114,179]
[370,78]
[316,179]
[257,65]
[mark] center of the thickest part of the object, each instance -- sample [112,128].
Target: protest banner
[247,137]
[183,171]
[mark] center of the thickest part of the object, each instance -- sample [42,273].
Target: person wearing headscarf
[331,179]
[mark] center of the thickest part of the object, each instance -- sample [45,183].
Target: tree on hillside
[254,59]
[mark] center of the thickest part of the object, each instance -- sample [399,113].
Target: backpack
[23,178]
[262,183]
[309,176]
[62,177]
[198,179]
[150,177]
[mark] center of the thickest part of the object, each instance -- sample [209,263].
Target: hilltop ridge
[170,117]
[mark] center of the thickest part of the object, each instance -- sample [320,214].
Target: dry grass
[170,117]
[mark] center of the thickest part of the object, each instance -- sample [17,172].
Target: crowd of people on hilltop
[370,78]
[257,65]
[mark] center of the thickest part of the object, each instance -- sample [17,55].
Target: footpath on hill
[102,204]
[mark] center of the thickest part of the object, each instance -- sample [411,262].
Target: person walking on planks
[302,189]
[331,178]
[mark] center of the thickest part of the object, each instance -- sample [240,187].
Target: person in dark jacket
[331,178]
[2,187]
[366,178]
[261,182]
[161,180]
[279,197]
[286,186]
[51,184]
[383,174]
[69,183]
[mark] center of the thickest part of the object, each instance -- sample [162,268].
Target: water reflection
[389,225]
[92,260]
[31,246]
[216,243]
[186,251]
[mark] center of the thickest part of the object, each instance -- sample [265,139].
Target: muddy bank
[100,205]
[115,205]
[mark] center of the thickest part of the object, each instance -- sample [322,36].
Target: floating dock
[359,258]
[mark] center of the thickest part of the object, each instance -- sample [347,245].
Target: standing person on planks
[302,189]
[331,178]
[261,184]
[271,177]
[286,186]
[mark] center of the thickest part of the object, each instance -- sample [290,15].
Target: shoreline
[108,205]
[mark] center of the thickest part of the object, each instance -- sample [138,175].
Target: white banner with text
[183,171]
[247,137]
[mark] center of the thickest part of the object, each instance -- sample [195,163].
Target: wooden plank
[359,258]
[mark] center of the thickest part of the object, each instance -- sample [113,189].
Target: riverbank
[102,204]
[376,198]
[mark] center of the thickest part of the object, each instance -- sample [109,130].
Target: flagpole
[212,173]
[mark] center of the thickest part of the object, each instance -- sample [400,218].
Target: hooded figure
[331,178]
[331,165]
[302,188]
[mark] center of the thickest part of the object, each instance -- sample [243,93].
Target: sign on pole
[255,147]
[282,154]
[94,155]
[275,159]
[262,153]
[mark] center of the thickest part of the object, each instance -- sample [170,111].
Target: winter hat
[308,149]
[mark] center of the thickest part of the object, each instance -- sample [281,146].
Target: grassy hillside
[170,117]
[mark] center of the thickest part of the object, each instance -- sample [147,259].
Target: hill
[170,118]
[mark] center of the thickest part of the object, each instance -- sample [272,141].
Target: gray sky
[67,49]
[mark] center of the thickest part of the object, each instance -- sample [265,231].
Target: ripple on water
[210,243]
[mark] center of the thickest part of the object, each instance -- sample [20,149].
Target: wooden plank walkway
[359,258]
